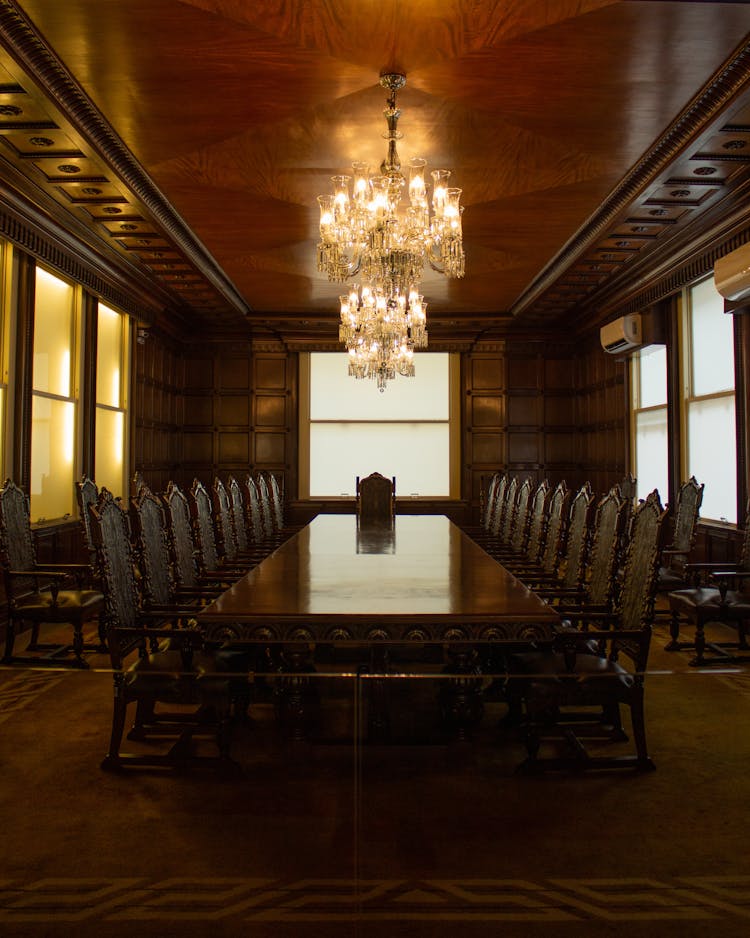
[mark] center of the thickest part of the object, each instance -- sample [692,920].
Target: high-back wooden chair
[376,499]
[570,576]
[157,660]
[675,557]
[721,594]
[598,672]
[42,593]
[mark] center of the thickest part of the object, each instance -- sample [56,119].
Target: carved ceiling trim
[725,85]
[54,246]
[21,40]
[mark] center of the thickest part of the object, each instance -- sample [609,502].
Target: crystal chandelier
[365,234]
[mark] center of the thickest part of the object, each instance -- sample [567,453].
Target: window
[53,399]
[348,429]
[708,414]
[649,415]
[111,399]
[5,306]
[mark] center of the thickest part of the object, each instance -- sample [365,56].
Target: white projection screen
[402,432]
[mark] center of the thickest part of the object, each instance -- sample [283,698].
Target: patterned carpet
[402,840]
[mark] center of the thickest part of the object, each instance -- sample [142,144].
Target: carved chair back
[87,493]
[265,504]
[17,548]
[604,557]
[537,520]
[559,507]
[688,503]
[635,603]
[577,543]
[239,522]
[487,501]
[505,531]
[498,509]
[110,532]
[744,559]
[375,498]
[203,527]
[152,547]
[277,500]
[224,522]
[253,511]
[180,533]
[521,520]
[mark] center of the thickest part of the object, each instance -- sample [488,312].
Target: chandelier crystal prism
[365,233]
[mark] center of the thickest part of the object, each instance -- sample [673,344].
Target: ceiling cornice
[731,79]
[20,39]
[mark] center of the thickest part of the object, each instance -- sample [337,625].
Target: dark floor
[417,837]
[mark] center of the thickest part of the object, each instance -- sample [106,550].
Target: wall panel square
[269,448]
[487,448]
[487,374]
[198,446]
[270,410]
[234,410]
[234,448]
[270,373]
[234,374]
[524,411]
[487,411]
[200,411]
[199,374]
[523,447]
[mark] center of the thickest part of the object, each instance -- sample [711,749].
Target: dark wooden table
[419,583]
[420,580]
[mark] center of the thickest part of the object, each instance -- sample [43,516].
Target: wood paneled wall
[543,410]
[158,412]
[535,408]
[217,408]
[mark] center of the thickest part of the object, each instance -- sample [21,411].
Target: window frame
[454,432]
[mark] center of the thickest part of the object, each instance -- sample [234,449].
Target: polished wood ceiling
[190,138]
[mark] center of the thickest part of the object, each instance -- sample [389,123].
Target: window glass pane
[653,372]
[651,464]
[109,469]
[712,341]
[417,454]
[712,456]
[52,452]
[108,357]
[336,396]
[53,335]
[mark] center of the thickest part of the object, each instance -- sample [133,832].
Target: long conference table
[417,581]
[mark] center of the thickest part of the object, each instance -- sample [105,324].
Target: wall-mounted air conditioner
[732,274]
[622,335]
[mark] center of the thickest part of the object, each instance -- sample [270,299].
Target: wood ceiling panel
[240,112]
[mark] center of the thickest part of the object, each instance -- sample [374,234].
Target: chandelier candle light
[365,234]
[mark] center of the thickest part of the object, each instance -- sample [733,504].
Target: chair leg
[700,645]
[144,716]
[611,717]
[34,640]
[78,642]
[10,640]
[742,634]
[674,632]
[639,732]
[112,759]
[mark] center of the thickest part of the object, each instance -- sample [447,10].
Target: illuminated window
[111,400]
[710,452]
[5,279]
[649,414]
[54,398]
[351,430]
